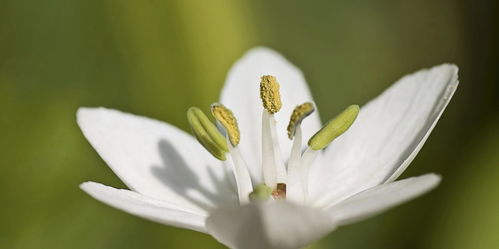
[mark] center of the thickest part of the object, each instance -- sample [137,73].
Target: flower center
[280,181]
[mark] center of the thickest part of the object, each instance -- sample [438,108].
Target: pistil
[261,193]
[280,192]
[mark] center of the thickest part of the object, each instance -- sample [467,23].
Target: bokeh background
[159,57]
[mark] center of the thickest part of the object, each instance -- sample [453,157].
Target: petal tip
[261,53]
[86,186]
[434,179]
[85,112]
[88,117]
[450,66]
[260,50]
[450,69]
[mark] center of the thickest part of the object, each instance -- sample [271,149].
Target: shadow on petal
[175,174]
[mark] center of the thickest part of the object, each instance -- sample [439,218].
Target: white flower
[175,181]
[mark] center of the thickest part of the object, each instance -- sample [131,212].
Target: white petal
[146,207]
[268,225]
[241,94]
[380,198]
[156,159]
[386,136]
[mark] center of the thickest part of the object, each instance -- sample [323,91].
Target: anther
[269,92]
[207,133]
[229,122]
[334,128]
[299,113]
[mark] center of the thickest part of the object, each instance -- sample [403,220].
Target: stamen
[241,173]
[334,128]
[261,193]
[299,113]
[307,161]
[268,169]
[207,133]
[227,119]
[279,162]
[274,170]
[240,169]
[269,92]
[295,170]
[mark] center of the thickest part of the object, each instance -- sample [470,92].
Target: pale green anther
[261,192]
[207,133]
[334,128]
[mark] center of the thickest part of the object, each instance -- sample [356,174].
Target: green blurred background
[159,57]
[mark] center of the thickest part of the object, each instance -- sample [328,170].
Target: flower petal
[156,159]
[375,200]
[146,207]
[272,224]
[386,136]
[241,94]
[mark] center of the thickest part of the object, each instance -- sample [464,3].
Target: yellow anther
[269,92]
[207,133]
[334,128]
[299,113]
[229,122]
